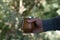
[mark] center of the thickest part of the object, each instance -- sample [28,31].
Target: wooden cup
[27,27]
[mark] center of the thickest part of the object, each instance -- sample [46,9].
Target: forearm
[51,24]
[47,25]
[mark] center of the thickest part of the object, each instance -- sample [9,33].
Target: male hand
[38,22]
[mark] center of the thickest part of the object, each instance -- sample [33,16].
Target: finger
[31,20]
[39,22]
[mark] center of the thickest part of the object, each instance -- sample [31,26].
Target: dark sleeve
[51,24]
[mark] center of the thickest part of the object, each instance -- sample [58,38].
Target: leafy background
[12,11]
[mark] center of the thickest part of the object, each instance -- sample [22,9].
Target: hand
[38,22]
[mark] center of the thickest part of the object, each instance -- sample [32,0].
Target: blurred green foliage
[11,19]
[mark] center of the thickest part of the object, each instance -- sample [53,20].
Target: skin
[38,22]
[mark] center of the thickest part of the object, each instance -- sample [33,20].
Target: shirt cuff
[47,25]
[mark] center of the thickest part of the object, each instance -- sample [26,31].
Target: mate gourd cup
[27,26]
